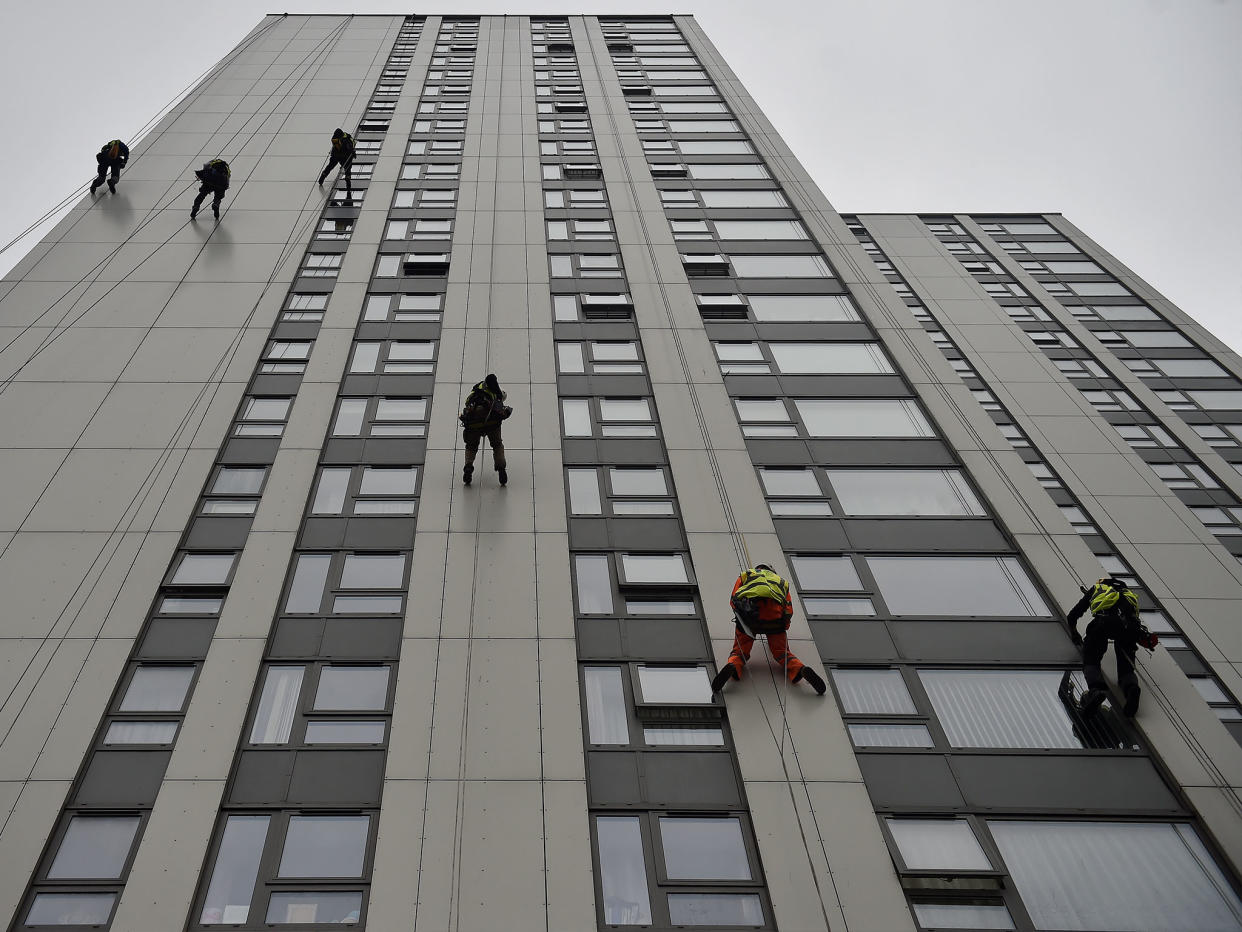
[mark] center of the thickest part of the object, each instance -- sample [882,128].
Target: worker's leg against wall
[779,644]
[471,437]
[742,644]
[498,448]
[1093,646]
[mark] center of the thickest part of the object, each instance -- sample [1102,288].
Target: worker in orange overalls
[762,604]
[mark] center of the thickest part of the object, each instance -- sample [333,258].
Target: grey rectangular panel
[910,781]
[169,638]
[262,777]
[211,533]
[122,779]
[1018,642]
[341,778]
[853,641]
[1111,783]
[925,534]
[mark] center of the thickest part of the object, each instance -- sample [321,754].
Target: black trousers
[106,163]
[333,161]
[1100,631]
[474,435]
[208,188]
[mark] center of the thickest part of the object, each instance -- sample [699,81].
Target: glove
[508,411]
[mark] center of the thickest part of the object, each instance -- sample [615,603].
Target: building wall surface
[268,662]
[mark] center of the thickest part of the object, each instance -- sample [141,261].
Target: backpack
[480,410]
[1112,597]
[755,587]
[345,144]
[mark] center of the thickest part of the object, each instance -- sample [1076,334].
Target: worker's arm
[1077,612]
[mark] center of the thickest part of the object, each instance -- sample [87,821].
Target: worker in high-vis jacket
[111,159]
[1114,616]
[762,604]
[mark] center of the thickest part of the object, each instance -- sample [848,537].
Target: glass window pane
[799,481]
[349,417]
[658,607]
[624,409]
[873,692]
[330,493]
[237,866]
[1003,709]
[703,849]
[366,356]
[830,606]
[140,733]
[809,307]
[715,909]
[862,417]
[637,481]
[683,735]
[204,569]
[678,685]
[314,906]
[970,586]
[94,848]
[768,266]
[625,507]
[238,480]
[373,571]
[761,409]
[594,586]
[185,605]
[759,229]
[366,605]
[584,492]
[70,909]
[401,409]
[890,736]
[605,701]
[1142,876]
[737,198]
[962,916]
[938,844]
[799,509]
[577,416]
[623,873]
[1218,401]
[921,492]
[324,846]
[349,689]
[569,358]
[345,733]
[309,578]
[825,572]
[278,705]
[653,568]
[400,480]
[157,689]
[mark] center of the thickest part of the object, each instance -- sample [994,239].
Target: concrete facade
[268,662]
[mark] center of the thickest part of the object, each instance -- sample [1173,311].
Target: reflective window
[1189,368]
[1081,875]
[349,689]
[715,909]
[962,916]
[773,266]
[127,732]
[741,172]
[829,573]
[938,844]
[829,358]
[1154,338]
[738,198]
[703,848]
[969,586]
[310,575]
[314,906]
[584,496]
[863,417]
[278,705]
[236,868]
[785,481]
[204,569]
[239,480]
[373,571]
[324,846]
[802,307]
[70,909]
[653,568]
[94,848]
[157,689]
[594,584]
[623,872]
[674,685]
[922,492]
[890,736]
[605,702]
[873,692]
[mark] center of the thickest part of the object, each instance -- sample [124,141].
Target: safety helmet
[764,566]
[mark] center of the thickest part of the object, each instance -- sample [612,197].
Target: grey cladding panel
[1020,642]
[1080,782]
[347,778]
[853,641]
[207,533]
[810,534]
[924,534]
[909,781]
[169,638]
[642,638]
[879,453]
[262,777]
[690,779]
[122,778]
[612,778]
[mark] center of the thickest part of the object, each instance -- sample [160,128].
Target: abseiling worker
[762,604]
[1115,617]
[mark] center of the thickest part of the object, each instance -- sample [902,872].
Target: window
[967,586]
[605,704]
[309,307]
[614,357]
[1146,338]
[1189,368]
[594,584]
[774,266]
[793,492]
[764,417]
[94,848]
[937,844]
[622,868]
[403,307]
[322,265]
[76,909]
[379,490]
[829,358]
[157,689]
[1217,400]
[872,692]
[388,417]
[617,417]
[759,229]
[746,171]
[631,491]
[862,417]
[394,357]
[718,147]
[798,308]
[740,198]
[652,568]
[263,417]
[703,848]
[283,356]
[914,492]
[1080,875]
[585,266]
[203,569]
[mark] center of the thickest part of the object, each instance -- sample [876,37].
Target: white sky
[1124,115]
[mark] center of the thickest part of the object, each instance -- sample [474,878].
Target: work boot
[1132,693]
[1091,701]
[95,185]
[112,186]
[504,476]
[193,211]
[727,672]
[215,209]
[467,473]
[806,673]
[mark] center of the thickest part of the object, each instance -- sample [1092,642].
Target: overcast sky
[1124,115]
